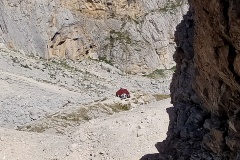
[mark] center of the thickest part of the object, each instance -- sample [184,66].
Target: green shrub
[104,59]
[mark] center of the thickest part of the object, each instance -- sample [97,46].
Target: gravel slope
[73,107]
[33,88]
[127,135]
[124,136]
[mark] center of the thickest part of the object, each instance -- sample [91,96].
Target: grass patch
[104,59]
[76,116]
[118,38]
[173,68]
[121,36]
[156,74]
[118,107]
[63,64]
[170,6]
[60,121]
[38,129]
[160,97]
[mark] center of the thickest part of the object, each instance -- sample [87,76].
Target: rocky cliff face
[136,36]
[206,86]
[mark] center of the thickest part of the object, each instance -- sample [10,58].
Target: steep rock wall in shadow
[205,91]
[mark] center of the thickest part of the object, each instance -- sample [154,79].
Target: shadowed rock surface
[205,120]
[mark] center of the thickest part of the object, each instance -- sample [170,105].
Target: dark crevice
[206,11]
[238,115]
[236,5]
[220,83]
[55,35]
[225,5]
[109,3]
[231,57]
[226,39]
[3,27]
[87,51]
[60,43]
[205,92]
[216,52]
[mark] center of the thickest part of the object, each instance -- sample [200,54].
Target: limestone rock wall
[136,36]
[205,89]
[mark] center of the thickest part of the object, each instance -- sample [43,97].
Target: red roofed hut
[123,93]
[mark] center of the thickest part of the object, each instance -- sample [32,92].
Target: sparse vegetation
[135,100]
[104,59]
[160,97]
[156,74]
[63,64]
[171,6]
[39,128]
[60,121]
[118,107]
[116,37]
[134,19]
[173,68]
[123,37]
[76,116]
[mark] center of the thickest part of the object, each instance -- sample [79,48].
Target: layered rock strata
[136,36]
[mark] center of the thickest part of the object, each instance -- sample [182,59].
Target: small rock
[139,134]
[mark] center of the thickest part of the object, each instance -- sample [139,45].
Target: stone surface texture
[136,36]
[73,108]
[206,86]
[33,88]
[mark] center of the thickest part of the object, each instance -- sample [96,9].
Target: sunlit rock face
[136,36]
[205,89]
